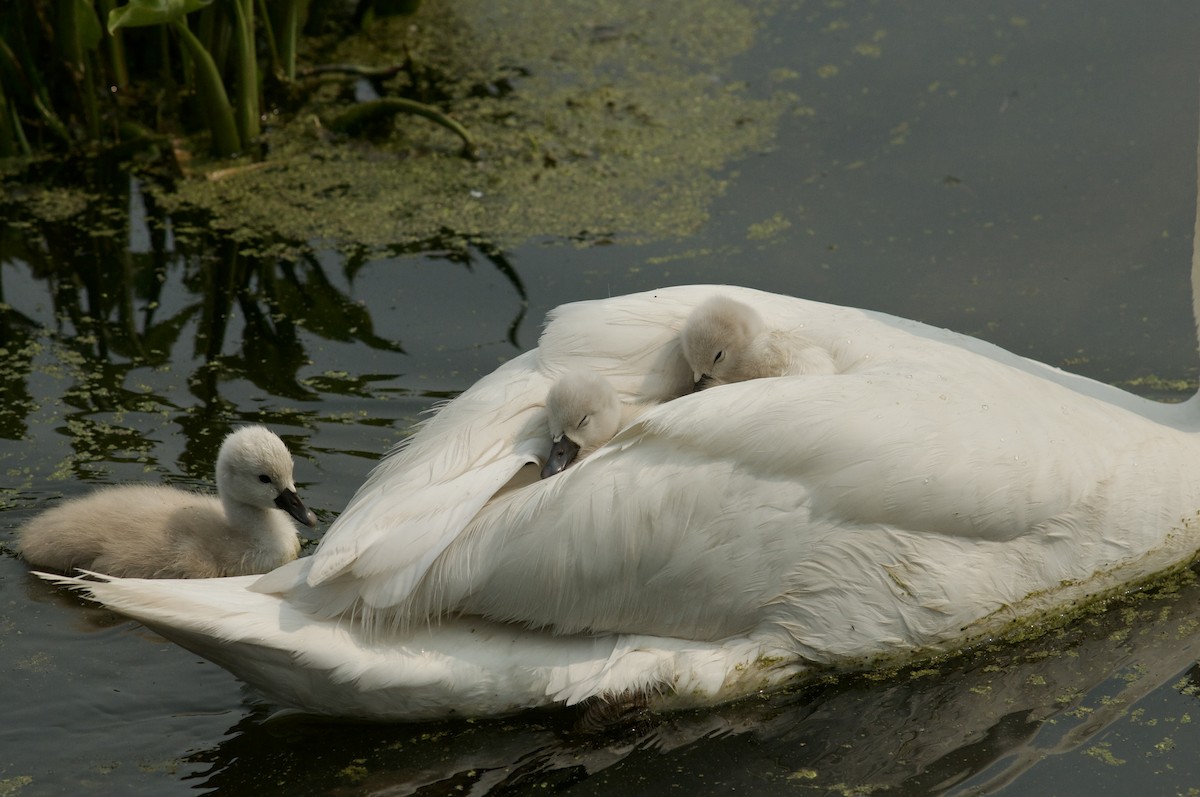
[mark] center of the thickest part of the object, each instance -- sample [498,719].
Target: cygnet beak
[289,502]
[562,454]
[703,381]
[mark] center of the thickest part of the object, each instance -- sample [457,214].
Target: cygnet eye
[264,478]
[582,421]
[720,356]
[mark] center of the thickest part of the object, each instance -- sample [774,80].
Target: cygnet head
[584,412]
[254,468]
[718,341]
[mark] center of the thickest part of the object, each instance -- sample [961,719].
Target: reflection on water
[130,297]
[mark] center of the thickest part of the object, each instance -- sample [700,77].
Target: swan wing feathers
[466,666]
[418,499]
[425,491]
[695,520]
[978,458]
[879,442]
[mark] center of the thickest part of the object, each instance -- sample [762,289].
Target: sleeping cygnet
[585,412]
[726,341]
[156,531]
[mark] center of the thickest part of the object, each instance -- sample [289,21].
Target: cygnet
[584,412]
[156,531]
[726,341]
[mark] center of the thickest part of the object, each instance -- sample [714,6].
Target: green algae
[11,786]
[1102,752]
[592,123]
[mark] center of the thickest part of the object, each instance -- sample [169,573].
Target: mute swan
[931,492]
[584,413]
[726,341]
[155,531]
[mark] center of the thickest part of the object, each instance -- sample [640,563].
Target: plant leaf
[88,24]
[139,13]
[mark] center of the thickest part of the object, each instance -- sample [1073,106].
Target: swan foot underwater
[807,487]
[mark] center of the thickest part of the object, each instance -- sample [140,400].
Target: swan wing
[416,501]
[461,667]
[421,496]
[711,514]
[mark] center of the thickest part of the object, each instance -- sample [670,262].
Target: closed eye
[720,356]
[582,421]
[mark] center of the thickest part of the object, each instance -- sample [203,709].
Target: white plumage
[155,531]
[928,491]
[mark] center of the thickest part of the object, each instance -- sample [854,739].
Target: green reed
[75,73]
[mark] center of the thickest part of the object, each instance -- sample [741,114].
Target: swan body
[926,491]
[584,412]
[725,341]
[156,531]
[933,491]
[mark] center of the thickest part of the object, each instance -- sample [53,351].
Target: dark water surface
[1020,171]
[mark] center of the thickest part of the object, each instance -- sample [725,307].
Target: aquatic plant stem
[78,33]
[269,33]
[217,108]
[365,112]
[117,62]
[290,30]
[8,127]
[247,71]
[19,70]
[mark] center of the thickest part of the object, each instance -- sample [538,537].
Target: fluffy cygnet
[156,531]
[585,412]
[726,341]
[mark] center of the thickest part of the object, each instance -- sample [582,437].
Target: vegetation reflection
[115,297]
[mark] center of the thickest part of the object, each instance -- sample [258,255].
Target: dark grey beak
[289,502]
[702,383]
[562,454]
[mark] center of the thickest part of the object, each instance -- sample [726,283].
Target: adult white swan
[931,491]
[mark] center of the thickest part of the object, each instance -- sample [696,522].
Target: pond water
[1018,171]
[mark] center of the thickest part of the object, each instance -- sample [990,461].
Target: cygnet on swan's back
[726,341]
[155,531]
[584,412]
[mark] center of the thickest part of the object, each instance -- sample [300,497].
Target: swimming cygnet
[156,531]
[585,413]
[726,341]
